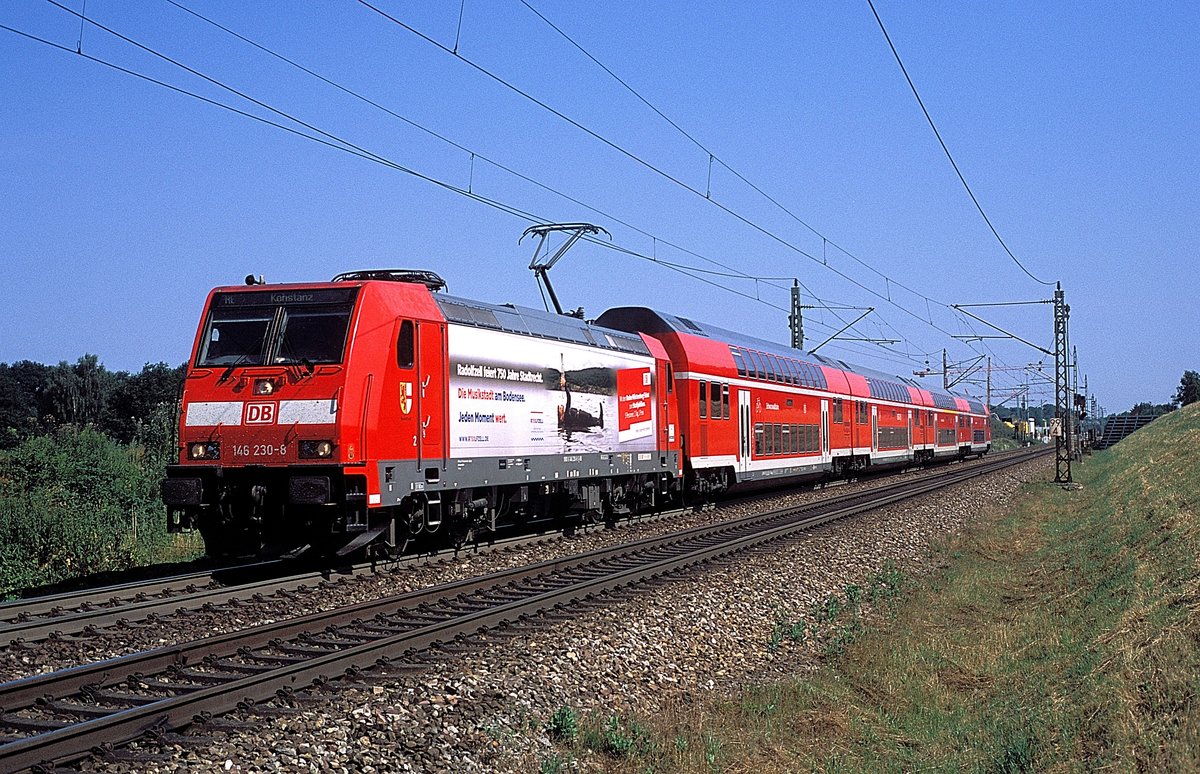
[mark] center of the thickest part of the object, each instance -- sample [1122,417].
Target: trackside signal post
[796,318]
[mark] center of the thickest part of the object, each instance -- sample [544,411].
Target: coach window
[758,439]
[837,411]
[714,397]
[779,439]
[759,371]
[703,399]
[780,367]
[670,379]
[725,401]
[404,345]
[738,362]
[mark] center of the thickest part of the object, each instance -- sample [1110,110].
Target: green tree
[19,414]
[78,394]
[138,396]
[1189,389]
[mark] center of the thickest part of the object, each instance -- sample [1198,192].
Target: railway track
[90,612]
[63,715]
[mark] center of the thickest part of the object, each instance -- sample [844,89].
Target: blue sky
[122,203]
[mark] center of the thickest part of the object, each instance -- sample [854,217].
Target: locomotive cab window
[235,337]
[315,335]
[405,346]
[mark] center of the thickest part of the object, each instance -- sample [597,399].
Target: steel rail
[136,602]
[573,585]
[49,618]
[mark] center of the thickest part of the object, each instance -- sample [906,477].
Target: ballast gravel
[705,635]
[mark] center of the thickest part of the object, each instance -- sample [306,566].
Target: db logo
[260,413]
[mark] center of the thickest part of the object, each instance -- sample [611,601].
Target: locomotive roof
[526,321]
[654,321]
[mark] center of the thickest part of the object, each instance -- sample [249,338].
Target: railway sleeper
[343,640]
[68,707]
[241,667]
[303,650]
[128,699]
[36,725]
[211,677]
[125,755]
[277,659]
[170,686]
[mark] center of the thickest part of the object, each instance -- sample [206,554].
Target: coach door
[874,428]
[825,445]
[745,431]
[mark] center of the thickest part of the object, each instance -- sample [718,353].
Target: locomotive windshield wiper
[228,372]
[304,367]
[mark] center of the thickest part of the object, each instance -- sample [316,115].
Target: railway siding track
[61,716]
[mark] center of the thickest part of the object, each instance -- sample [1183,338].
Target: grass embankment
[1064,635]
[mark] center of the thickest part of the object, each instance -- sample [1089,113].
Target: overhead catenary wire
[713,157]
[326,138]
[319,136]
[641,161]
[675,180]
[475,154]
[946,149]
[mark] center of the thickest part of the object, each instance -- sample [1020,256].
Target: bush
[77,502]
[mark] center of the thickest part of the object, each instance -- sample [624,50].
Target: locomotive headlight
[204,450]
[316,450]
[264,386]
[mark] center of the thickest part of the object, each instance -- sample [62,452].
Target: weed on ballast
[786,629]
[563,726]
[885,584]
[555,763]
[617,738]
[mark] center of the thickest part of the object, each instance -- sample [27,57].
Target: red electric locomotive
[378,408]
[331,414]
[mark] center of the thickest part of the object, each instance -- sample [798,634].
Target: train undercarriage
[274,512]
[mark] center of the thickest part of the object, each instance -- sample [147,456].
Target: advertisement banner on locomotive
[514,395]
